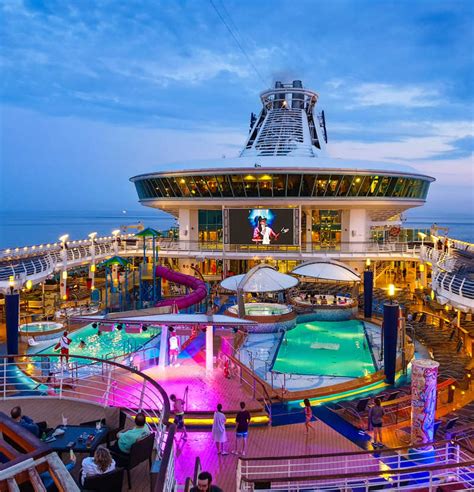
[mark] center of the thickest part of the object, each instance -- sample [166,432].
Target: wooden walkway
[270,441]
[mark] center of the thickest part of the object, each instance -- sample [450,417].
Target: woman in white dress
[218,430]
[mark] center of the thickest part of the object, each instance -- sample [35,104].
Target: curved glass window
[255,185]
[251,185]
[265,185]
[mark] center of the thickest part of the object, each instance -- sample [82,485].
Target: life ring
[394,231]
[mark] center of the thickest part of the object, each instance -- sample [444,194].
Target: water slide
[198,286]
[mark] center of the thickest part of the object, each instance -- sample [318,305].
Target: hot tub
[270,317]
[43,330]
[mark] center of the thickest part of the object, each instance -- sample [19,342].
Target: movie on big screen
[257,226]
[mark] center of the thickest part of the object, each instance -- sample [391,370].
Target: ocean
[19,229]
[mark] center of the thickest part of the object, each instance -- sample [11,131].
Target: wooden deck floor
[267,441]
[205,390]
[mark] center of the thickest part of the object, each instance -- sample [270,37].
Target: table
[73,434]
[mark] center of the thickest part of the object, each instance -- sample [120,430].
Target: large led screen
[261,226]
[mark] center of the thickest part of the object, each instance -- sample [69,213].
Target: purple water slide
[197,295]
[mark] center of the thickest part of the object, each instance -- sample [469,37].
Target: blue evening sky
[95,92]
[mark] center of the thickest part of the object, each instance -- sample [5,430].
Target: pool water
[262,309]
[106,345]
[326,348]
[40,327]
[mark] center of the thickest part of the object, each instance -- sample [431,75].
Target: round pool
[43,330]
[269,317]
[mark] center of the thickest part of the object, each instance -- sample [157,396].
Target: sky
[93,93]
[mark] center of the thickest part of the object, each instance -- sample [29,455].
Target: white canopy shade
[327,270]
[264,279]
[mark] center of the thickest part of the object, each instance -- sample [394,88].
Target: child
[308,415]
[376,414]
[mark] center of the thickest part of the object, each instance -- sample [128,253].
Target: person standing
[308,415]
[174,348]
[218,430]
[242,421]
[63,344]
[178,410]
[376,414]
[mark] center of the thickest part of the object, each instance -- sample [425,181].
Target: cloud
[373,94]
[404,149]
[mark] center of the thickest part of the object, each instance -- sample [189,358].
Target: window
[265,185]
[210,226]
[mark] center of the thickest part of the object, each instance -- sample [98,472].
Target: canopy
[327,270]
[170,319]
[148,232]
[260,279]
[115,260]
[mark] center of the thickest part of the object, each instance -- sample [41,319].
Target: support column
[92,266]
[163,362]
[63,279]
[12,316]
[240,303]
[424,378]
[209,348]
[368,292]
[309,230]
[423,281]
[390,329]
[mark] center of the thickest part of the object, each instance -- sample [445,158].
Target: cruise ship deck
[290,282]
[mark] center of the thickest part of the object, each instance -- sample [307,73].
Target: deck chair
[107,482]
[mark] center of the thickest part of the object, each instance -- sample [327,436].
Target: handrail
[352,475]
[165,479]
[118,386]
[342,453]
[338,470]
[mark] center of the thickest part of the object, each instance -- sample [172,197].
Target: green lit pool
[106,345]
[326,348]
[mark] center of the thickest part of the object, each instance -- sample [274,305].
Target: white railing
[100,382]
[446,462]
[36,263]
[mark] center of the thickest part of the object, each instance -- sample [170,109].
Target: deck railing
[110,385]
[403,468]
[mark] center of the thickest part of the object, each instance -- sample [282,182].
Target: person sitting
[324,300]
[26,422]
[126,439]
[204,484]
[48,480]
[102,462]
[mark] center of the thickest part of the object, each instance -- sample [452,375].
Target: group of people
[103,461]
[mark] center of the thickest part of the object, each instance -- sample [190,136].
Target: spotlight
[94,325]
[144,327]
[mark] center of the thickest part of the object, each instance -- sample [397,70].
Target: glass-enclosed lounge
[309,184]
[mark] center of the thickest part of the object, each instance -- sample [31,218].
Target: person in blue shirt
[24,421]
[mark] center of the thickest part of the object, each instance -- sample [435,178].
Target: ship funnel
[279,96]
[297,99]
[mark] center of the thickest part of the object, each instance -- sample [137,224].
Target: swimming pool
[107,344]
[338,349]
